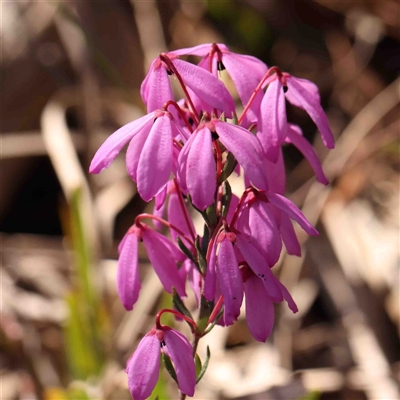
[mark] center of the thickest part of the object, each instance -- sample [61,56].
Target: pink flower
[196,162]
[273,124]
[128,280]
[149,158]
[260,306]
[246,71]
[156,88]
[164,257]
[143,367]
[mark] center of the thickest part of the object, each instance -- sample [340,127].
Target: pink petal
[128,280]
[177,218]
[259,266]
[200,50]
[155,163]
[109,150]
[295,136]
[158,89]
[230,281]
[180,351]
[144,366]
[163,260]
[209,88]
[289,236]
[246,149]
[201,180]
[299,94]
[264,232]
[273,124]
[286,295]
[134,152]
[292,211]
[246,72]
[259,309]
[276,174]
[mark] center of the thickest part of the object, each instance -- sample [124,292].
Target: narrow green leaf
[179,305]
[229,167]
[226,198]
[211,215]
[202,262]
[204,367]
[206,308]
[205,240]
[169,367]
[185,250]
[198,364]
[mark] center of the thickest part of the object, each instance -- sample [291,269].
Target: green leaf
[180,306]
[198,364]
[205,240]
[169,367]
[206,308]
[202,262]
[204,367]
[226,198]
[229,167]
[185,250]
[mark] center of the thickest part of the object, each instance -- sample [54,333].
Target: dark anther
[285,89]
[234,298]
[162,344]
[169,72]
[190,120]
[214,135]
[220,66]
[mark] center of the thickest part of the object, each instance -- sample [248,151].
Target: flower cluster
[182,154]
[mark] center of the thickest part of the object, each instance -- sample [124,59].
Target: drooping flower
[246,71]
[143,367]
[149,158]
[128,280]
[196,161]
[273,123]
[204,84]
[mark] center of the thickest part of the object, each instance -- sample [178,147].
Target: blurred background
[71,73]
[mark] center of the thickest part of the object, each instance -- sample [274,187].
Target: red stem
[164,222]
[177,313]
[180,111]
[164,57]
[240,204]
[259,86]
[184,210]
[216,309]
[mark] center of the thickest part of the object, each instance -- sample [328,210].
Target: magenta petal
[163,260]
[200,50]
[246,72]
[180,351]
[299,95]
[134,151]
[276,174]
[109,150]
[264,232]
[200,169]
[289,236]
[292,211]
[273,124]
[295,136]
[144,366]
[159,89]
[286,295]
[128,280]
[155,163]
[246,149]
[259,309]
[230,281]
[259,266]
[177,218]
[208,87]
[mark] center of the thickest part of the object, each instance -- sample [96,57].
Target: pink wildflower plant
[182,154]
